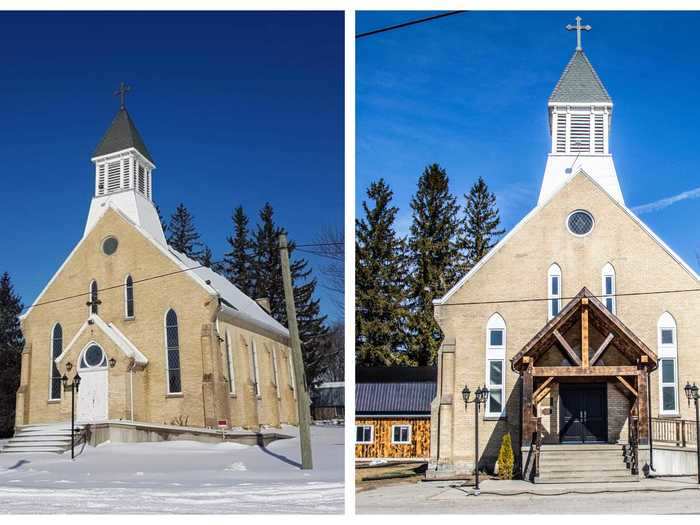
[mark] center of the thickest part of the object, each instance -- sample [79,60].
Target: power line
[409,23]
[541,299]
[159,276]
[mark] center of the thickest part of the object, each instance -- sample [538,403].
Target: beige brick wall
[519,271]
[204,398]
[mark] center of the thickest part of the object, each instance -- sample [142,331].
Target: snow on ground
[179,477]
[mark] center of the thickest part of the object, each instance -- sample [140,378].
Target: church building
[584,363]
[155,337]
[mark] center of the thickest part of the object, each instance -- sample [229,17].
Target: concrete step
[35,444]
[32,450]
[610,467]
[43,437]
[590,478]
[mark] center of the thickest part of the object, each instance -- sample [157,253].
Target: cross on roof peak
[122,91]
[578,28]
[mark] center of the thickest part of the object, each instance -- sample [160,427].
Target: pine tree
[481,223]
[11,344]
[267,271]
[207,259]
[379,277]
[238,263]
[436,259]
[163,224]
[182,234]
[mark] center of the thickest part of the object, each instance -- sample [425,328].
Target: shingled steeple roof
[122,134]
[579,83]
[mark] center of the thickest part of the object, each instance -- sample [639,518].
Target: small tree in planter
[506,458]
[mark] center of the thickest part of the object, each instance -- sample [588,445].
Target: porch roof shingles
[600,317]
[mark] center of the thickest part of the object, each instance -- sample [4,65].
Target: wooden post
[527,403]
[584,332]
[643,406]
[297,360]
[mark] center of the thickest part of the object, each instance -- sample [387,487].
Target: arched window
[94,299]
[275,377]
[495,365]
[129,297]
[254,370]
[608,287]
[172,345]
[668,364]
[553,291]
[290,368]
[229,365]
[56,350]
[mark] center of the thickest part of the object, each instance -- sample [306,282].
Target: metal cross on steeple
[578,27]
[122,91]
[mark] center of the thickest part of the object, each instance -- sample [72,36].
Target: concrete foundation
[675,461]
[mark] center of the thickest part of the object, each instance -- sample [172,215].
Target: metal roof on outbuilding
[394,398]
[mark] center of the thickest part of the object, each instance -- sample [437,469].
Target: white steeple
[123,168]
[580,113]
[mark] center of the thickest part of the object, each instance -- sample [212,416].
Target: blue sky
[470,93]
[235,108]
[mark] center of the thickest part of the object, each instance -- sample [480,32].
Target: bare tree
[331,247]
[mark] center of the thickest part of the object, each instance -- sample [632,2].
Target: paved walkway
[648,496]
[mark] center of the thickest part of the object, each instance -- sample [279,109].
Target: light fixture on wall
[112,362]
[69,366]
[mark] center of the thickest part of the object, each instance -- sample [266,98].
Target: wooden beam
[575,371]
[542,387]
[602,348]
[643,389]
[585,344]
[626,384]
[567,347]
[527,407]
[542,395]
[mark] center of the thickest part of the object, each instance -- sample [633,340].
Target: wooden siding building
[392,407]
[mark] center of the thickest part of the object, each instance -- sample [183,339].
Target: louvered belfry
[580,114]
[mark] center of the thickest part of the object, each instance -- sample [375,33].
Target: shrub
[506,458]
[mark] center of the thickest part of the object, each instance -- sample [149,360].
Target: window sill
[364,443]
[404,444]
[130,318]
[175,395]
[54,401]
[232,396]
[494,418]
[670,415]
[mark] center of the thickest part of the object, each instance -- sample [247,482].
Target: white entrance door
[93,393]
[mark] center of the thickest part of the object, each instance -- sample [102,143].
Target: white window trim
[255,376]
[554,271]
[495,353]
[126,297]
[229,364]
[51,362]
[670,352]
[371,435]
[167,362]
[293,383]
[609,271]
[410,435]
[275,373]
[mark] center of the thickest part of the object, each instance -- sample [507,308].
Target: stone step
[581,447]
[603,471]
[589,478]
[42,437]
[33,444]
[32,450]
[581,461]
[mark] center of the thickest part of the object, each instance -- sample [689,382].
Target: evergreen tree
[379,277]
[482,221]
[163,224]
[11,344]
[267,271]
[207,259]
[436,258]
[182,234]
[238,263]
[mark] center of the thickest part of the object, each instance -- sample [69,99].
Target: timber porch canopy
[584,343]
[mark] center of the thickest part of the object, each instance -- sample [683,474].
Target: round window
[580,223]
[94,356]
[109,245]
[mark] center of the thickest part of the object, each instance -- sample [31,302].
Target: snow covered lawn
[178,477]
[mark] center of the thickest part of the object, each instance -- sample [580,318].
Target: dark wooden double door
[583,413]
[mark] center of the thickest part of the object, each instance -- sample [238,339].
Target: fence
[679,432]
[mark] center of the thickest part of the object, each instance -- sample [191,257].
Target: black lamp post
[74,387]
[691,392]
[480,396]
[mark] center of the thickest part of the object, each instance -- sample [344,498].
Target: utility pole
[297,360]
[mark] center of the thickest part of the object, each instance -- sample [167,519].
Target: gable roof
[395,374]
[579,83]
[545,337]
[536,209]
[113,333]
[122,134]
[212,282]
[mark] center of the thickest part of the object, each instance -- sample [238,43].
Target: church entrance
[92,396]
[583,416]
